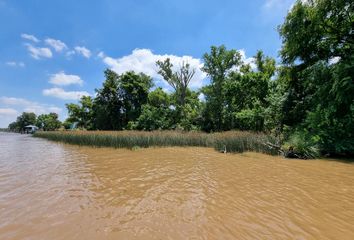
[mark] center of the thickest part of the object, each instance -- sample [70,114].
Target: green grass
[233,141]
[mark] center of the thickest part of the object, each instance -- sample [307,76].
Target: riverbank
[232,141]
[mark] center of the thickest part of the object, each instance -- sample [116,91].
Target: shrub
[303,145]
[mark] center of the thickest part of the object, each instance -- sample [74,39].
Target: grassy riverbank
[233,141]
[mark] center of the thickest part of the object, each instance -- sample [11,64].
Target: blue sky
[53,52]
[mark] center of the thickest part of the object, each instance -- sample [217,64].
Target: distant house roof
[31,126]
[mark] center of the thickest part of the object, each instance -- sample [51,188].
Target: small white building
[30,129]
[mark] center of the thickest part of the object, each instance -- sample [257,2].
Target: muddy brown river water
[57,191]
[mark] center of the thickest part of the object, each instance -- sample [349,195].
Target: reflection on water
[55,191]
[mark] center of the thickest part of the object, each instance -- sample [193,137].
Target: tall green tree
[191,112]
[48,122]
[317,30]
[81,113]
[217,64]
[13,127]
[178,80]
[120,99]
[246,91]
[134,90]
[184,108]
[108,104]
[318,50]
[156,113]
[26,118]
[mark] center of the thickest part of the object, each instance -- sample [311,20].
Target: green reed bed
[233,141]
[244,142]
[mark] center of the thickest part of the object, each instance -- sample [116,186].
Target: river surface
[56,191]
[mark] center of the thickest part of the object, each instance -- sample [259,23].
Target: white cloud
[11,64]
[101,54]
[271,3]
[15,101]
[83,51]
[15,64]
[62,79]
[70,53]
[65,95]
[30,37]
[12,107]
[277,8]
[144,60]
[37,109]
[8,112]
[201,97]
[334,60]
[57,45]
[7,115]
[40,109]
[54,109]
[26,105]
[37,52]
[247,60]
[167,89]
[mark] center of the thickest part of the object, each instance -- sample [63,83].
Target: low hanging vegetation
[233,141]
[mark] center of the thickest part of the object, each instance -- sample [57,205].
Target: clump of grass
[232,141]
[238,142]
[135,148]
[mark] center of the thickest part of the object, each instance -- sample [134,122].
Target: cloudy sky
[53,52]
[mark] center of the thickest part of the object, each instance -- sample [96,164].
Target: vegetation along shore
[305,101]
[232,141]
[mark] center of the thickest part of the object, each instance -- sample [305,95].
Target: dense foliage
[46,122]
[306,102]
[318,57]
[235,99]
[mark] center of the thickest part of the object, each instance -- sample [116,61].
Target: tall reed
[233,141]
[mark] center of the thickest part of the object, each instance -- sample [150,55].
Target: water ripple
[56,191]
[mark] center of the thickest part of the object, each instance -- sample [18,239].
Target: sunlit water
[56,191]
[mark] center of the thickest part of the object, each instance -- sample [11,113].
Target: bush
[303,145]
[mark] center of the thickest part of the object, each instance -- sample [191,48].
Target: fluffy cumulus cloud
[83,51]
[65,95]
[15,101]
[40,109]
[38,52]
[57,45]
[21,104]
[7,115]
[62,79]
[11,107]
[247,60]
[15,64]
[8,112]
[144,60]
[30,37]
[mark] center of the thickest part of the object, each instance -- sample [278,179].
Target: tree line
[46,122]
[237,97]
[306,100]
